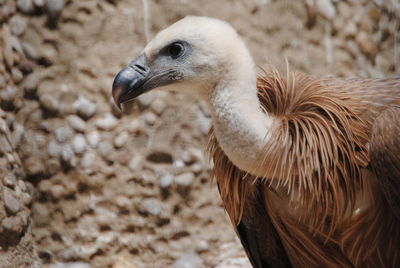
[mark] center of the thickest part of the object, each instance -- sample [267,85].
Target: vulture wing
[385,155]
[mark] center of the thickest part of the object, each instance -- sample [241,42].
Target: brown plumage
[339,204]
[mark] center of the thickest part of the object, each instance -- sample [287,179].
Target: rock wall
[112,190]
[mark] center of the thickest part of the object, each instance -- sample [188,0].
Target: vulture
[308,168]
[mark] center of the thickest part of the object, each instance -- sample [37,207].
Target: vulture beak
[129,82]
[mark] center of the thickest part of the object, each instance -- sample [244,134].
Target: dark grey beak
[128,83]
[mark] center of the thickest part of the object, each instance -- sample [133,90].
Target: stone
[88,159]
[366,45]
[85,108]
[30,51]
[67,154]
[33,166]
[145,100]
[26,6]
[204,124]
[9,180]
[26,66]
[16,45]
[135,163]
[350,29]
[150,118]
[17,25]
[57,191]
[105,149]
[67,101]
[39,3]
[202,246]
[30,85]
[76,123]
[150,206]
[7,47]
[189,259]
[9,94]
[184,183]
[49,102]
[54,7]
[166,180]
[54,148]
[11,202]
[16,75]
[63,134]
[93,138]
[326,9]
[107,123]
[158,106]
[71,265]
[121,139]
[79,144]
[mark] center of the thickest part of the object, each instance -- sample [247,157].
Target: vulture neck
[241,127]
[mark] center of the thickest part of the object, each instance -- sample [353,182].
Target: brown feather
[319,150]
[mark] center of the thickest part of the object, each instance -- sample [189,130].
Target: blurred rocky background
[83,186]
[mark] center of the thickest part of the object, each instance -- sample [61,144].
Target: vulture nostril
[141,68]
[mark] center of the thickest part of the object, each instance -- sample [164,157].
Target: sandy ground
[135,190]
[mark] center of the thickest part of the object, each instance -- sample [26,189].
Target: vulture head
[195,53]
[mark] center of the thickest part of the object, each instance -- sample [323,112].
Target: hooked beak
[129,82]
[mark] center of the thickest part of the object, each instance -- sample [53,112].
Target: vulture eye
[175,50]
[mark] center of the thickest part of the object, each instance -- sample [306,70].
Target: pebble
[17,25]
[107,123]
[145,100]
[121,139]
[151,206]
[26,6]
[30,85]
[135,163]
[326,9]
[158,106]
[93,138]
[54,7]
[67,100]
[105,148]
[184,182]
[85,108]
[67,155]
[14,227]
[16,45]
[76,123]
[71,265]
[7,47]
[30,51]
[9,94]
[204,124]
[189,259]
[49,102]
[79,144]
[57,191]
[166,181]
[9,180]
[39,3]
[350,29]
[366,45]
[16,75]
[34,165]
[11,203]
[202,246]
[192,155]
[88,159]
[150,118]
[63,134]
[54,149]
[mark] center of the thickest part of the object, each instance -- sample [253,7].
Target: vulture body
[308,169]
